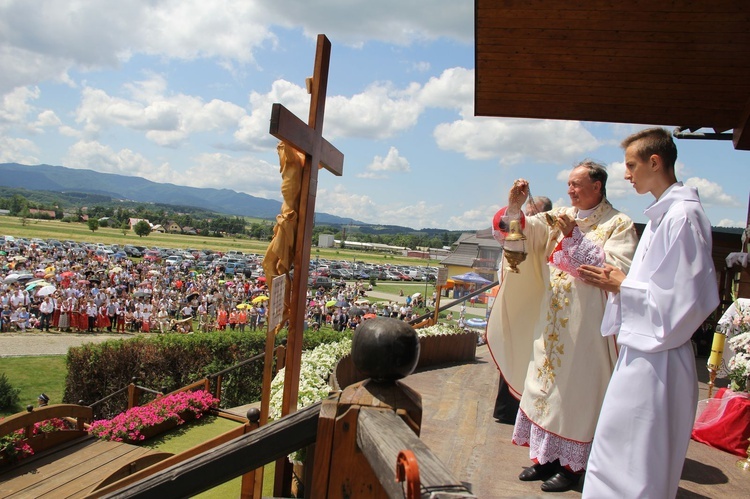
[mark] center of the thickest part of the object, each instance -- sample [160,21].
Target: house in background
[473,252]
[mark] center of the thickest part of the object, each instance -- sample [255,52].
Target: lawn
[34,375]
[197,432]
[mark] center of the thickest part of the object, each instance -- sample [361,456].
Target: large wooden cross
[308,139]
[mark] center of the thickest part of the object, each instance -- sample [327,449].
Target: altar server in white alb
[644,427]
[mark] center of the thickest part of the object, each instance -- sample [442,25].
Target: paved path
[37,343]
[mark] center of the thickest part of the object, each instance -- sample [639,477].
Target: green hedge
[171,361]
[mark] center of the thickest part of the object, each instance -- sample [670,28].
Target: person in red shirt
[242,320]
[221,318]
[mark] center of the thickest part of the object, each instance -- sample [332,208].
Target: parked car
[320,281]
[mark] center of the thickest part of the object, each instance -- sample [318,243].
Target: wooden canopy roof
[671,63]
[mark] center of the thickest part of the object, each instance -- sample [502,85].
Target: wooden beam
[381,435]
[741,134]
[232,459]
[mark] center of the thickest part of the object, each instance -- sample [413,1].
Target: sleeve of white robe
[663,310]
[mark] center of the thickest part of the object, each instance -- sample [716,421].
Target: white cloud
[342,202]
[16,107]
[45,39]
[380,112]
[47,118]
[243,174]
[393,21]
[514,140]
[473,219]
[453,89]
[252,132]
[167,120]
[96,156]
[711,193]
[393,162]
[13,150]
[726,222]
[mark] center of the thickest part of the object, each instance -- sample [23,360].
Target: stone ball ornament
[385,349]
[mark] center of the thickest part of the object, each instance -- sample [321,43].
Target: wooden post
[437,304]
[308,139]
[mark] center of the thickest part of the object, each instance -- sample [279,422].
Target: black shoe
[539,471]
[561,481]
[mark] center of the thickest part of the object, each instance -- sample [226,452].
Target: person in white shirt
[647,415]
[46,309]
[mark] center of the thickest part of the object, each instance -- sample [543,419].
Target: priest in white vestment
[545,337]
[647,416]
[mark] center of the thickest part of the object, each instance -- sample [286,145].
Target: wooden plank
[727,39]
[231,459]
[592,111]
[698,6]
[618,13]
[511,82]
[381,435]
[86,482]
[107,487]
[63,468]
[611,65]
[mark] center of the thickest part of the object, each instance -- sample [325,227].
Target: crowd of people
[54,288]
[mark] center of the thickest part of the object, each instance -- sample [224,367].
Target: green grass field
[54,229]
[34,375]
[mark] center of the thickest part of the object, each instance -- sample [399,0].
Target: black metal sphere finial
[253,415]
[385,349]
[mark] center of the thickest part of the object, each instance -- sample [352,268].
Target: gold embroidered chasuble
[552,320]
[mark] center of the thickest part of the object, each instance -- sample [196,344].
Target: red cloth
[498,219]
[725,424]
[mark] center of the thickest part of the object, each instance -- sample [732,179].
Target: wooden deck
[457,424]
[74,470]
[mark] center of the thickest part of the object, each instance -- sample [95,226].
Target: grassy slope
[34,375]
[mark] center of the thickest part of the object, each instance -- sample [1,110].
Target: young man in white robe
[647,416]
[545,337]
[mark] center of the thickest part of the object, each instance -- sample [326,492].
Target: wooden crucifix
[308,139]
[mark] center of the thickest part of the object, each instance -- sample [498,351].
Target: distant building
[133,221]
[173,227]
[325,241]
[474,254]
[42,213]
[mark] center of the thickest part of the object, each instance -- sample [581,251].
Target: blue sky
[180,91]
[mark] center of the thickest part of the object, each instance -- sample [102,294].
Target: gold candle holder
[514,248]
[714,360]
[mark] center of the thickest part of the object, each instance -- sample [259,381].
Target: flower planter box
[163,427]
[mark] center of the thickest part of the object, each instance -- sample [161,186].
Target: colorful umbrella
[369,316]
[46,290]
[68,273]
[331,303]
[243,306]
[34,284]
[259,298]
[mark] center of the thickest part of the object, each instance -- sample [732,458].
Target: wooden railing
[365,440]
[80,415]
[134,391]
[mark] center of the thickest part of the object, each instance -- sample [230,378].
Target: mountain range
[225,201]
